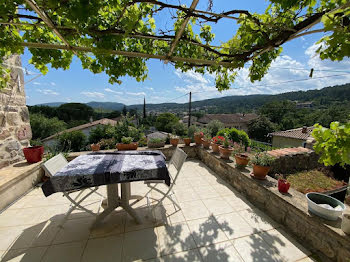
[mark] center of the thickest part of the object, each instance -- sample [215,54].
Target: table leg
[112,203]
[125,202]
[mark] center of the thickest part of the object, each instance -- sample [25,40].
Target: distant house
[291,138]
[303,104]
[239,121]
[85,128]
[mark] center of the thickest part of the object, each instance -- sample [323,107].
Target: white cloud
[112,91]
[136,94]
[47,92]
[93,94]
[150,88]
[53,83]
[37,83]
[191,76]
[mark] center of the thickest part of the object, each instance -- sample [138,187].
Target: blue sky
[165,84]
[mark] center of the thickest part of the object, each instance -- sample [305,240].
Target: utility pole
[189,110]
[144,107]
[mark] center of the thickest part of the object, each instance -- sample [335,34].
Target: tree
[43,127]
[124,111]
[72,141]
[74,111]
[260,127]
[165,121]
[214,126]
[110,35]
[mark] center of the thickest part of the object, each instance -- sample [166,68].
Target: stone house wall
[15,131]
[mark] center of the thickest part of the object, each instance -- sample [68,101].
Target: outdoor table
[110,168]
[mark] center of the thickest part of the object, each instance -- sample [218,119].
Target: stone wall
[15,131]
[291,160]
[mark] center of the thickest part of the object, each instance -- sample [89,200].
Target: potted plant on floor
[261,164]
[241,157]
[174,140]
[95,147]
[127,144]
[226,149]
[155,142]
[33,154]
[206,140]
[216,141]
[198,137]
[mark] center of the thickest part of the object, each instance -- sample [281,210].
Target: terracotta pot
[225,152]
[241,159]
[187,141]
[283,185]
[95,147]
[215,147]
[33,154]
[174,141]
[206,143]
[198,139]
[260,172]
[131,146]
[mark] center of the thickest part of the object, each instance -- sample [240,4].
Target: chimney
[304,130]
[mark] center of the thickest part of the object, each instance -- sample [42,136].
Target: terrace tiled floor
[215,224]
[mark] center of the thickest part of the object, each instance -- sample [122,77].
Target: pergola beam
[46,20]
[199,62]
[182,29]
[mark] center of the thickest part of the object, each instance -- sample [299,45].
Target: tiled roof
[103,121]
[227,118]
[295,133]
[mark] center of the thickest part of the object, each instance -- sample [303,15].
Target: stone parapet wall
[15,131]
[291,160]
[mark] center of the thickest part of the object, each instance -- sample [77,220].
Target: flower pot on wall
[198,139]
[187,141]
[241,159]
[95,147]
[260,172]
[33,154]
[206,143]
[225,152]
[283,185]
[215,147]
[174,141]
[123,147]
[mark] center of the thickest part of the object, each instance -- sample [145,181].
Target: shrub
[165,122]
[235,135]
[191,131]
[155,140]
[143,141]
[179,129]
[72,141]
[214,126]
[43,127]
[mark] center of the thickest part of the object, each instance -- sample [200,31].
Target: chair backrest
[177,160]
[55,164]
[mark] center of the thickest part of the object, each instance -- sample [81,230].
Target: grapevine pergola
[118,36]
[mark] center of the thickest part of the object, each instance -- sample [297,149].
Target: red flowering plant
[219,140]
[227,142]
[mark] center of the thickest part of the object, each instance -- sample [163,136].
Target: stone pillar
[15,131]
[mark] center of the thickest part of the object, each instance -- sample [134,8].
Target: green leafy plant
[333,144]
[235,135]
[226,143]
[173,136]
[214,126]
[126,140]
[156,140]
[107,143]
[262,159]
[72,141]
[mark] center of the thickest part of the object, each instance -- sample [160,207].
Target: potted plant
[127,144]
[261,164]
[283,184]
[206,139]
[33,154]
[241,157]
[155,142]
[198,138]
[226,149]
[187,141]
[95,147]
[174,140]
[216,141]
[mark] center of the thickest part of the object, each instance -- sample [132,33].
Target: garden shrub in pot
[261,164]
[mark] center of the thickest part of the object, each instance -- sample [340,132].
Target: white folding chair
[55,164]
[177,160]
